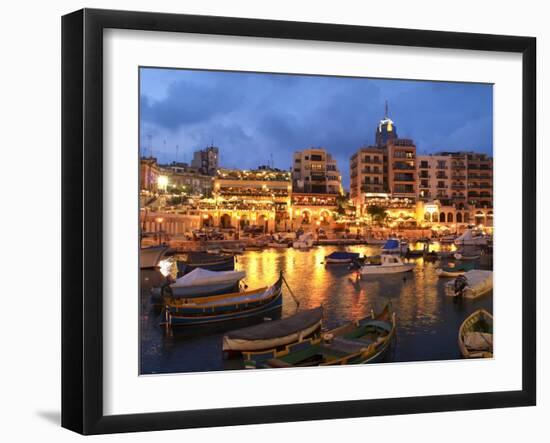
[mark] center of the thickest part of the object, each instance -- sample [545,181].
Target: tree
[377,213]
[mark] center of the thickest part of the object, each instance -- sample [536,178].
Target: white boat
[462,256]
[204,282]
[150,257]
[305,241]
[389,264]
[472,238]
[471,284]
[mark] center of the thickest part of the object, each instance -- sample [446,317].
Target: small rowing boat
[212,262]
[274,334]
[475,335]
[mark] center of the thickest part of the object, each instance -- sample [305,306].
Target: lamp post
[159,221]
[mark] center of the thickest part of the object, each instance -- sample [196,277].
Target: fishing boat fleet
[208,290]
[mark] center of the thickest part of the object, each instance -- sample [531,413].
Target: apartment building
[314,171]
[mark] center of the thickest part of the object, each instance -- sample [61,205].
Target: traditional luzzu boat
[341,257]
[454,271]
[360,342]
[212,262]
[219,308]
[274,334]
[201,282]
[389,264]
[475,335]
[151,256]
[471,284]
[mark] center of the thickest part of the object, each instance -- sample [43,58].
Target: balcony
[442,177]
[403,167]
[459,177]
[456,186]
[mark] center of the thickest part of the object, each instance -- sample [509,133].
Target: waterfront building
[454,189]
[206,160]
[240,198]
[314,171]
[316,188]
[149,173]
[183,178]
[385,174]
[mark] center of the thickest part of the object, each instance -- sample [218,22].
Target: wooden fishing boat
[361,342]
[475,335]
[389,264]
[472,237]
[219,308]
[471,284]
[212,262]
[341,257]
[274,334]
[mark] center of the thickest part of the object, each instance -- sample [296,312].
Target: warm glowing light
[159,220]
[205,216]
[162,182]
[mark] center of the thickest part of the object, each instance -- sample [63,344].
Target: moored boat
[389,264]
[360,342]
[463,256]
[394,246]
[471,238]
[471,284]
[225,307]
[454,271]
[475,335]
[341,257]
[150,257]
[274,334]
[201,282]
[305,241]
[212,262]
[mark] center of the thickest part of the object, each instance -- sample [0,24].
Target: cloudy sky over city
[254,117]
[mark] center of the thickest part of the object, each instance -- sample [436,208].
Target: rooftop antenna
[271,155]
[386,109]
[177,149]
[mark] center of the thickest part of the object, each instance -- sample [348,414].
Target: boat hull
[187,320]
[380,270]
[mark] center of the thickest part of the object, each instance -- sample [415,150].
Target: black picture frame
[82,218]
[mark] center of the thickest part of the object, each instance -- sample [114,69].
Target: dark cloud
[252,117]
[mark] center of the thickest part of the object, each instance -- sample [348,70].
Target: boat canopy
[342,255]
[200,277]
[391,244]
[279,328]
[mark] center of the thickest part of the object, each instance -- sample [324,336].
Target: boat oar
[291,293]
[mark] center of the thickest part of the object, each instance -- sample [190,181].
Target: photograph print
[297,221]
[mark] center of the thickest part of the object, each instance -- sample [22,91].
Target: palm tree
[377,213]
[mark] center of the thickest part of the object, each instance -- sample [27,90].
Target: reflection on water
[428,320]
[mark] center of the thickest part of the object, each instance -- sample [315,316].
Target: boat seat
[348,345]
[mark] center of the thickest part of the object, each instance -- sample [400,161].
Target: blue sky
[251,116]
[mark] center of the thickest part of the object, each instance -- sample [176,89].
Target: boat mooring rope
[291,293]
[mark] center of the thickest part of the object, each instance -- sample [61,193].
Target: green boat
[475,335]
[364,341]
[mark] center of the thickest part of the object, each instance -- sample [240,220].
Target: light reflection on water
[428,320]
